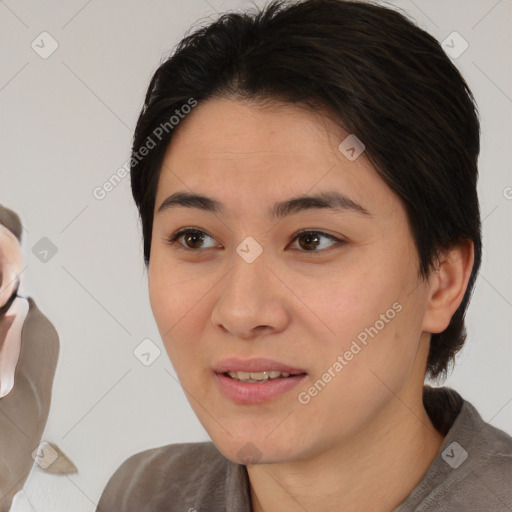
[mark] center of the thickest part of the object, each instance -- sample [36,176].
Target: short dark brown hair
[382,77]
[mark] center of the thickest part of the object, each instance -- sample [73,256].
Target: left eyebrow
[323,200]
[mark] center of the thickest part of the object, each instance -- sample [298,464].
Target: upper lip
[234,364]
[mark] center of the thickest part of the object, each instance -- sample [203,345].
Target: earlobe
[448,283]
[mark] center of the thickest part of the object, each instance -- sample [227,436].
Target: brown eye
[309,241]
[192,239]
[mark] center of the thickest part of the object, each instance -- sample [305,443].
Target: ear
[447,284]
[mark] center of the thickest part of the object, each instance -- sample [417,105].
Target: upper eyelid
[184,231]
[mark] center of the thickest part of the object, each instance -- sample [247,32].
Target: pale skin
[365,440]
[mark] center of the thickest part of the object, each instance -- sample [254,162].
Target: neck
[374,470]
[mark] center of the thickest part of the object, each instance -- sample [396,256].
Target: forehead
[242,150]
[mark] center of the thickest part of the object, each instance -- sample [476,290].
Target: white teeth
[257,376]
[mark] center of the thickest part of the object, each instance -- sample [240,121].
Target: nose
[251,300]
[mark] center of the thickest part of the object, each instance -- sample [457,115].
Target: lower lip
[256,392]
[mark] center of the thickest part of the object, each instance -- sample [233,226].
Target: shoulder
[163,477]
[477,459]
[473,468]
[489,464]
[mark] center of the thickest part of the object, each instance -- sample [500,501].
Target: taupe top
[193,477]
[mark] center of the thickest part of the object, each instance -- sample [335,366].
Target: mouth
[255,365]
[255,381]
[254,377]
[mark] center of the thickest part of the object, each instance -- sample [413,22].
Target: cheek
[175,303]
[353,301]
[366,333]
[375,314]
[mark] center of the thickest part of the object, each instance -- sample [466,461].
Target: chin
[245,448]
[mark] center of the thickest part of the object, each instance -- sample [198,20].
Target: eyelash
[173,239]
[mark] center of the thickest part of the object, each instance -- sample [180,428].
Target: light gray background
[66,126]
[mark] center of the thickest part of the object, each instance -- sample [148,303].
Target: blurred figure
[29,350]
[13,307]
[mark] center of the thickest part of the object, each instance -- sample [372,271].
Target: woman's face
[342,315]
